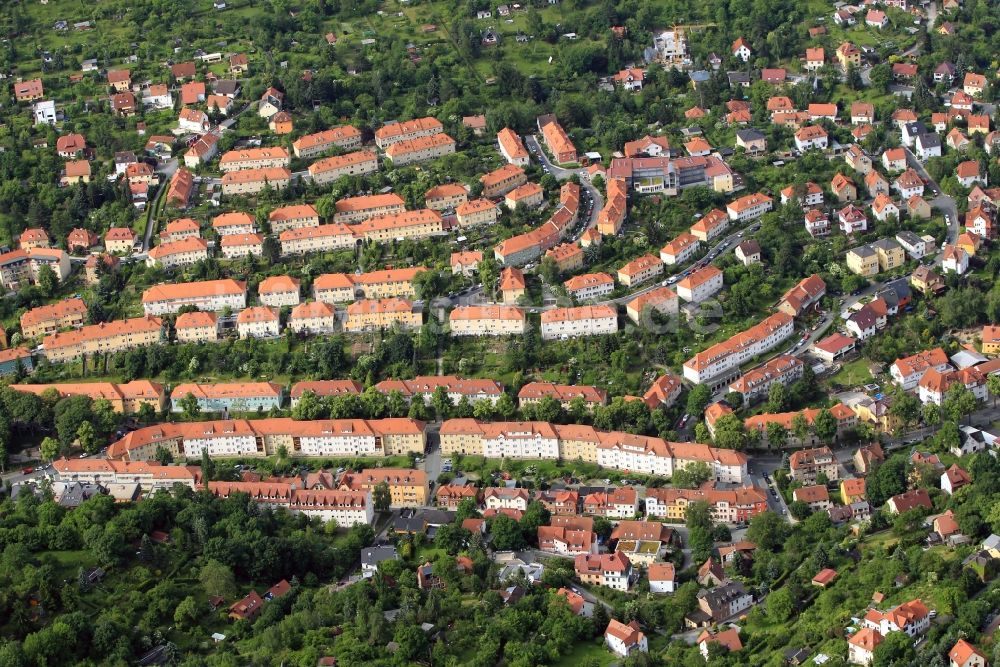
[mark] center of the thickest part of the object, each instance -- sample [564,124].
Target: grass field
[853,373]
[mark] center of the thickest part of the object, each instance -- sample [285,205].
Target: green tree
[506,532]
[777,435]
[381,497]
[780,605]
[825,426]
[217,579]
[730,432]
[692,475]
[698,399]
[959,402]
[800,427]
[189,407]
[49,449]
[87,437]
[931,414]
[767,531]
[895,650]
[186,613]
[163,456]
[777,398]
[441,402]
[47,281]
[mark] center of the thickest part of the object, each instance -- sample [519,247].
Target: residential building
[423,388]
[107,337]
[312,318]
[125,398]
[376,314]
[640,270]
[724,601]
[681,249]
[477,212]
[234,397]
[293,217]
[254,158]
[196,327]
[749,207]
[252,181]
[258,322]
[755,384]
[557,141]
[501,181]
[906,372]
[66,314]
[512,148]
[662,299]
[566,395]
[342,137]
[278,291]
[806,465]
[710,225]
[700,284]
[579,321]
[863,261]
[119,240]
[625,640]
[446,197]
[328,170]
[911,617]
[715,363]
[803,296]
[393,133]
[486,321]
[861,646]
[411,151]
[210,295]
[610,570]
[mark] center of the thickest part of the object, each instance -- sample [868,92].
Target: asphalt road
[940,201]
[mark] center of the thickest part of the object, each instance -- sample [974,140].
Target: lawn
[852,374]
[594,652]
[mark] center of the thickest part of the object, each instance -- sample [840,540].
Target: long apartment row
[388,437]
[307,318]
[129,397]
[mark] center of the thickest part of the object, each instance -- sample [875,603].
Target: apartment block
[278,291]
[323,238]
[343,137]
[477,212]
[254,158]
[486,321]
[210,295]
[258,322]
[197,327]
[293,217]
[330,169]
[375,314]
[700,285]
[65,314]
[125,398]
[356,209]
[252,181]
[393,133]
[230,397]
[418,150]
[313,318]
[498,183]
[589,286]
[579,321]
[721,358]
[106,338]
[420,224]
[640,270]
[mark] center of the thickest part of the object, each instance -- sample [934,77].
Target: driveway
[942,202]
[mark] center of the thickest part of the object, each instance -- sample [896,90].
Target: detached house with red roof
[625,640]
[741,49]
[964,654]
[911,617]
